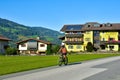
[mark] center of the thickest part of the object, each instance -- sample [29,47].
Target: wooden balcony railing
[110,42]
[74,42]
[74,35]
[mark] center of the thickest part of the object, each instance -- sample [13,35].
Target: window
[76,39]
[88,25]
[72,39]
[101,25]
[78,46]
[80,39]
[68,39]
[111,47]
[42,45]
[103,39]
[108,24]
[70,47]
[102,47]
[96,25]
[23,45]
[111,39]
[96,33]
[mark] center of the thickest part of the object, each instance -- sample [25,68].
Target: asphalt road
[100,69]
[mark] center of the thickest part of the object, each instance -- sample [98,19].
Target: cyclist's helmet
[63,44]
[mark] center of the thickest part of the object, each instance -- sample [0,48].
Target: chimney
[38,38]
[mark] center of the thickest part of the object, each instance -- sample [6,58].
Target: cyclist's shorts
[64,53]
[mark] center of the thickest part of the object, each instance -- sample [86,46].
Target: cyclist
[63,50]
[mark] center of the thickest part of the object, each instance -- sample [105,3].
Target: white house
[3,44]
[32,46]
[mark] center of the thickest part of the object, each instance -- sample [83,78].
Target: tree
[89,47]
[11,51]
[49,51]
[55,48]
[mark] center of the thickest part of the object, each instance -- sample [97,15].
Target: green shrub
[119,49]
[55,49]
[11,51]
[49,50]
[89,47]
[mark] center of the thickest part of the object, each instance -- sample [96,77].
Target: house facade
[104,37]
[32,46]
[3,44]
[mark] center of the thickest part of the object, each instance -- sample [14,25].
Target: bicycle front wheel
[60,61]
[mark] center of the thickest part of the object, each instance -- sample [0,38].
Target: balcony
[74,42]
[74,35]
[110,42]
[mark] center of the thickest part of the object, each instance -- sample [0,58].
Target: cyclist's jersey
[64,51]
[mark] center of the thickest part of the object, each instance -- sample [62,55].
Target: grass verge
[12,64]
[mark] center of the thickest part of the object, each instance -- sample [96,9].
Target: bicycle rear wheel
[66,61]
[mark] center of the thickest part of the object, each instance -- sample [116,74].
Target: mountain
[18,32]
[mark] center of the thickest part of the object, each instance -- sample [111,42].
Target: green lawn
[12,64]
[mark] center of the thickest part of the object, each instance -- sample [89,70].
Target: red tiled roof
[113,26]
[4,38]
[62,37]
[35,40]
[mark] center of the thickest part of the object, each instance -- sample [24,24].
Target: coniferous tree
[89,47]
[49,51]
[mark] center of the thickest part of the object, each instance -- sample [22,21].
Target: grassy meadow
[12,64]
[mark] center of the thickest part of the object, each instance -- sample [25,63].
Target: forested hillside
[18,32]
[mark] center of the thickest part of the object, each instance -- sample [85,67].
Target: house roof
[62,37]
[35,40]
[4,38]
[72,27]
[108,26]
[91,26]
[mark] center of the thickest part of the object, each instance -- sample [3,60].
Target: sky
[53,14]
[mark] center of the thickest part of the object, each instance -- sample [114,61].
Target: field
[12,64]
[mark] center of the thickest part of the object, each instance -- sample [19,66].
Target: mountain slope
[18,32]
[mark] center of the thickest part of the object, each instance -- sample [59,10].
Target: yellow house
[103,36]
[88,37]
[109,40]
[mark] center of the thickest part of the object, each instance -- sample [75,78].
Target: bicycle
[63,60]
